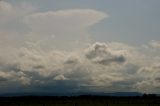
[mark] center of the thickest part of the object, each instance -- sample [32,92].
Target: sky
[72,46]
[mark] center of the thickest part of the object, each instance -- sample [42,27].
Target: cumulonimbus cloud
[9,12]
[103,67]
[36,65]
[80,70]
[63,27]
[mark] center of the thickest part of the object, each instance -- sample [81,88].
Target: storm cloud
[55,52]
[97,67]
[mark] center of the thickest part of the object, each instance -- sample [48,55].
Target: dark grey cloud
[102,54]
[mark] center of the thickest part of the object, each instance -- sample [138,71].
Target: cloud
[151,82]
[78,18]
[100,53]
[155,44]
[4,76]
[10,20]
[62,28]
[81,70]
[67,26]
[36,65]
[10,12]
[60,77]
[25,80]
[4,6]
[63,57]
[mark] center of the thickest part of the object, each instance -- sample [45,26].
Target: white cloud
[4,75]
[151,75]
[60,77]
[25,80]
[10,17]
[82,70]
[69,27]
[155,44]
[68,19]
[35,64]
[4,6]
[10,12]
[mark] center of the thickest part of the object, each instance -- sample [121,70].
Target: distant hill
[115,94]
[73,94]
[125,94]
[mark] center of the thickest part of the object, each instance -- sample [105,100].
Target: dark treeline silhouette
[81,97]
[83,100]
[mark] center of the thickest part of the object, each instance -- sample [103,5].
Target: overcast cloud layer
[57,54]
